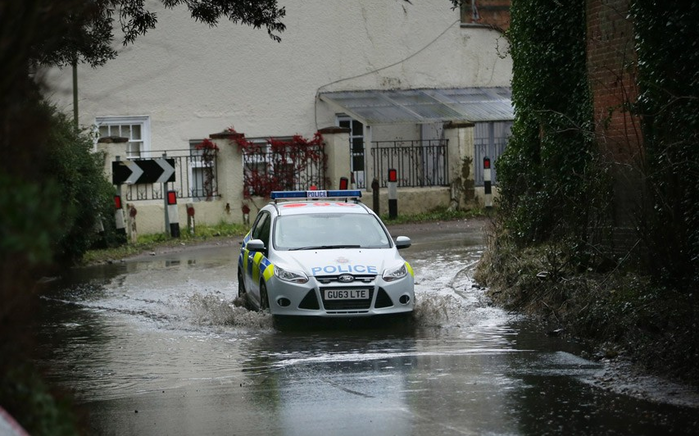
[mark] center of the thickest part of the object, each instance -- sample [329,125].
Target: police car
[323,253]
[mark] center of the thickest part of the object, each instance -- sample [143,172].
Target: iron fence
[195,178]
[420,163]
[288,167]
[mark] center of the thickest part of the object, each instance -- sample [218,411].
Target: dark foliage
[545,257]
[667,40]
[63,32]
[82,190]
[547,177]
[52,191]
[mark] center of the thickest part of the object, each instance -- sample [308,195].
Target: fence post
[230,174]
[392,193]
[336,149]
[133,232]
[486,183]
[190,218]
[119,216]
[165,203]
[119,213]
[462,160]
[172,214]
[375,194]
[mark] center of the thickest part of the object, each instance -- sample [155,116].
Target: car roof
[285,208]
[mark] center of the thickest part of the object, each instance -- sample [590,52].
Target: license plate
[346,294]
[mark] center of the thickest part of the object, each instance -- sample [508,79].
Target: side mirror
[403,242]
[255,245]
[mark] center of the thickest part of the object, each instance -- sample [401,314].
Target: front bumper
[309,299]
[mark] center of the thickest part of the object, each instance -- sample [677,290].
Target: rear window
[317,231]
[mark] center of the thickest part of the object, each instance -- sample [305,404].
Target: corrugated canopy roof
[424,106]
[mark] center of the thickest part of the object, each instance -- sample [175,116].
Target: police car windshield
[327,231]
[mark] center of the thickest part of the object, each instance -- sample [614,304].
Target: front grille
[332,305]
[335,278]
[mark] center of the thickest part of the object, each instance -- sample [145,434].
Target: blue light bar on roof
[338,193]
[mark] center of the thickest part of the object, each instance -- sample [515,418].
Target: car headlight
[391,274]
[290,276]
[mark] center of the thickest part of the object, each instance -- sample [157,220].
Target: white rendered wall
[193,80]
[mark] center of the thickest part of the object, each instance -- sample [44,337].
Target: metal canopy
[424,106]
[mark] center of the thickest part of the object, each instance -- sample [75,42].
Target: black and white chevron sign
[134,172]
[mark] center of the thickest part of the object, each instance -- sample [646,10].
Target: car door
[261,231]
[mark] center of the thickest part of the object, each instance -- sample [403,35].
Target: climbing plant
[546,174]
[281,164]
[667,45]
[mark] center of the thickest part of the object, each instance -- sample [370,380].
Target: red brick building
[611,61]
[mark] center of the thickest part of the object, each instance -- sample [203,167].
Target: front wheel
[264,299]
[241,285]
[243,298]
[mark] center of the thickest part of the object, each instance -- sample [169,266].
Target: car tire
[264,298]
[243,297]
[242,293]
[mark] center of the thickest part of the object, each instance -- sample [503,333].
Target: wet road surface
[155,346]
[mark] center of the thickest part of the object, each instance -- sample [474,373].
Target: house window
[356,147]
[136,129]
[491,13]
[469,11]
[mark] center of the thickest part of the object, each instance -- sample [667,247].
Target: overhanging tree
[48,178]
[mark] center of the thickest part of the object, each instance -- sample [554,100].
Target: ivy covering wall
[545,175]
[553,253]
[554,185]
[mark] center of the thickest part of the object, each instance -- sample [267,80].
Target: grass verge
[613,310]
[150,242]
[441,214]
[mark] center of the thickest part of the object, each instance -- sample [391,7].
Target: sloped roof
[424,106]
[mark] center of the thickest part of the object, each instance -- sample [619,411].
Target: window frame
[120,121]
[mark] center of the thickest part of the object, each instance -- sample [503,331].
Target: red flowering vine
[280,164]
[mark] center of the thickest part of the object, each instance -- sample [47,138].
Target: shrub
[76,176]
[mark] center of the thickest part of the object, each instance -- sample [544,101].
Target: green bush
[82,191]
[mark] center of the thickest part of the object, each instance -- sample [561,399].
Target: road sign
[133,172]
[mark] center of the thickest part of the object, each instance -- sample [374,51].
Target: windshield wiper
[324,247]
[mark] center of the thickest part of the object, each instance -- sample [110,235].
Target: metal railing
[281,168]
[420,163]
[195,178]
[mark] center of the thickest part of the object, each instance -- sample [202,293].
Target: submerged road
[154,346]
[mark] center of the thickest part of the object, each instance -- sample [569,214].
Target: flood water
[156,346]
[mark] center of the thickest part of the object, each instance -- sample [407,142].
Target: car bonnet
[359,261]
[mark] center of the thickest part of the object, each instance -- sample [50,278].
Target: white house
[388,70]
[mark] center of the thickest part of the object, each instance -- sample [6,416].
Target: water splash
[217,309]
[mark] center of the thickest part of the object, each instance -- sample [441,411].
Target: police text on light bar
[338,193]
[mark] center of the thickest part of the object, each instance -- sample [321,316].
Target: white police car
[323,253]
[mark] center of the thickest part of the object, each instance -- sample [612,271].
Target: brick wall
[612,74]
[611,68]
